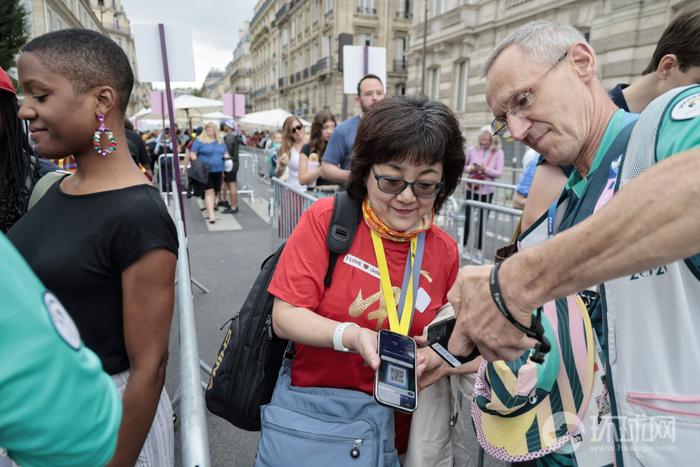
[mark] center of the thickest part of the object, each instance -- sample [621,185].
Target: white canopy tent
[186,109]
[268,119]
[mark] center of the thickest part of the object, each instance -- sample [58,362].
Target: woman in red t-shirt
[408,158]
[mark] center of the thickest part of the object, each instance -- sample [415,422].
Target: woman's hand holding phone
[364,342]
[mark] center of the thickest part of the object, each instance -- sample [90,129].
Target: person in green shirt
[57,406]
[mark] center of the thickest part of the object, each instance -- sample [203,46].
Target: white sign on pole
[354,65]
[149,59]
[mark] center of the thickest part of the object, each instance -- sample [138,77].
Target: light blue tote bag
[322,427]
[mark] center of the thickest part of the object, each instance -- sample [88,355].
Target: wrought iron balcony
[365,10]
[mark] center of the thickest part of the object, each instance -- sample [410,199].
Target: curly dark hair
[316,141]
[20,171]
[408,128]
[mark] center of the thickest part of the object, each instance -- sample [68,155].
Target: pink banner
[239,105]
[159,103]
[234,104]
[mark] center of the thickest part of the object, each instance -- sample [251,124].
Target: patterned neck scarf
[377,225]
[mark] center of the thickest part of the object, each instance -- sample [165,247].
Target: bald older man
[542,86]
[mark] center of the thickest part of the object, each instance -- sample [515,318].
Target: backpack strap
[43,185]
[341,230]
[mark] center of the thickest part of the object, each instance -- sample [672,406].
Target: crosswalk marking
[224,222]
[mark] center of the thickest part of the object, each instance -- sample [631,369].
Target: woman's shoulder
[322,209]
[138,201]
[438,238]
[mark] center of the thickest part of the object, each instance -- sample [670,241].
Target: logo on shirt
[62,321]
[686,108]
[651,273]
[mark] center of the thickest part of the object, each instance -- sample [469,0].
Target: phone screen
[395,381]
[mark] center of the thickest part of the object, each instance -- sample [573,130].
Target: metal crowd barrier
[248,176]
[194,439]
[286,205]
[497,224]
[260,156]
[470,188]
[188,398]
[163,174]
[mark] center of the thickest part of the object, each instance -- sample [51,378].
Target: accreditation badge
[686,108]
[62,322]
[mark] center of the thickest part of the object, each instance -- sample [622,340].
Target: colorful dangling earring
[97,138]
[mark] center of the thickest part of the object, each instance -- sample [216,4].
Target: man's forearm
[652,221]
[334,173]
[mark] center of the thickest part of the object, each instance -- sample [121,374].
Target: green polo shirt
[57,406]
[576,182]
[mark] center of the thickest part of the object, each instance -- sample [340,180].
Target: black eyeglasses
[395,186]
[520,102]
[297,128]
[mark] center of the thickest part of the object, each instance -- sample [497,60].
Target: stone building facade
[240,71]
[461,34]
[295,44]
[107,17]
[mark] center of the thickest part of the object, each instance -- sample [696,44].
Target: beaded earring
[97,138]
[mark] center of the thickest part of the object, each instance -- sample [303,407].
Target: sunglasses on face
[395,186]
[297,128]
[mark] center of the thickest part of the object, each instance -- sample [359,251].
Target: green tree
[13,31]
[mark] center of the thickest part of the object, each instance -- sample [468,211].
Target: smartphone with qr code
[395,382]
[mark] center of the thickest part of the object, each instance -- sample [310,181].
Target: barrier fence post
[194,438]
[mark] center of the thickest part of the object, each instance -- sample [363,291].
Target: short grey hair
[543,41]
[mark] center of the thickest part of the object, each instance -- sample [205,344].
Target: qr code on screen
[397,376]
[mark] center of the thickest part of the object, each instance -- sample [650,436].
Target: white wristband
[338,336]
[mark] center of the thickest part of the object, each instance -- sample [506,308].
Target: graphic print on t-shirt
[361,304]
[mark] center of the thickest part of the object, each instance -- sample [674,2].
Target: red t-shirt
[355,294]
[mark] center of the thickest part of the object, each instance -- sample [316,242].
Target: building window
[400,90]
[438,7]
[316,10]
[326,46]
[364,39]
[327,6]
[399,54]
[366,7]
[314,53]
[435,83]
[29,19]
[404,9]
[462,75]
